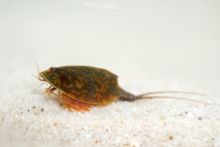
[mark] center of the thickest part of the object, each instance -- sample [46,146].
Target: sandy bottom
[29,118]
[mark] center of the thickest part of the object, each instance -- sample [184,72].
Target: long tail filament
[152,95]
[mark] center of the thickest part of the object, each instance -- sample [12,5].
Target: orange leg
[73,104]
[49,90]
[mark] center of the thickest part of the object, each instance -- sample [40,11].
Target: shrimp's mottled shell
[87,84]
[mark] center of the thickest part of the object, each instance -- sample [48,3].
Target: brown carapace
[81,87]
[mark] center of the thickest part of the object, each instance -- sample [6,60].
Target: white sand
[27,117]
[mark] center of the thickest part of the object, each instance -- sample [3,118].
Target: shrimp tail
[127,96]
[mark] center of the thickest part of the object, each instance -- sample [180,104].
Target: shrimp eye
[52,69]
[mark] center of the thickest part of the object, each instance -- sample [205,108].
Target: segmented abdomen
[127,96]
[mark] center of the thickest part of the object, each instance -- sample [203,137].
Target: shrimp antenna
[38,70]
